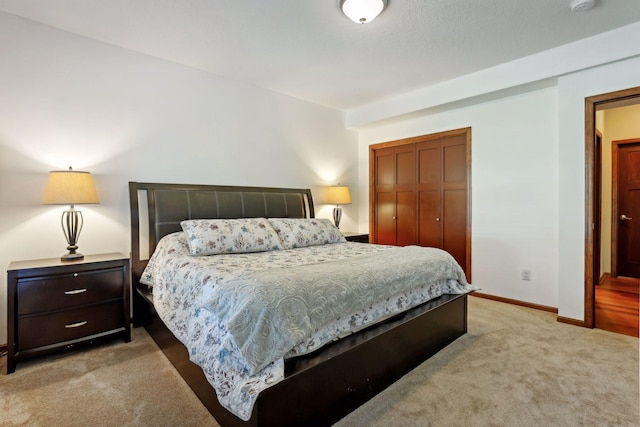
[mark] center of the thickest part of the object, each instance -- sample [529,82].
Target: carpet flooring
[515,366]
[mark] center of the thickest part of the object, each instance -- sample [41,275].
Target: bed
[323,385]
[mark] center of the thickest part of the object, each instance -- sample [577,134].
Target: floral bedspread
[181,284]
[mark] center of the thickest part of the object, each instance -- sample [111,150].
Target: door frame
[597,200]
[412,140]
[591,215]
[615,145]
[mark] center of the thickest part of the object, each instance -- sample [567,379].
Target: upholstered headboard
[158,209]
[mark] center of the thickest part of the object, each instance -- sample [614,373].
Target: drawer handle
[75,292]
[75,325]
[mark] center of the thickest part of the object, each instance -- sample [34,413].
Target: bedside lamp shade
[70,188]
[338,195]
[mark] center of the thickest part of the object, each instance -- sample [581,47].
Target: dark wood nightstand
[54,304]
[356,237]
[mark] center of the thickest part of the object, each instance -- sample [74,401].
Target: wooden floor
[617,301]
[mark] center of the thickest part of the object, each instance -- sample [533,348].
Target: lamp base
[337,215]
[72,257]
[71,225]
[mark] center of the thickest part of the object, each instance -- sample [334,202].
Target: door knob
[623,217]
[437,219]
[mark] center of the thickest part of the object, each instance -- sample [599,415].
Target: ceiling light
[362,11]
[581,5]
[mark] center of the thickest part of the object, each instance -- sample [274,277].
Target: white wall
[514,181]
[66,100]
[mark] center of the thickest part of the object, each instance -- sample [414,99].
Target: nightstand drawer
[38,331]
[41,294]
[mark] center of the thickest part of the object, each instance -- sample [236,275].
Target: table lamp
[338,195]
[70,188]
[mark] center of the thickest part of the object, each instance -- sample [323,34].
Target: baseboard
[3,349]
[560,319]
[516,302]
[604,277]
[571,321]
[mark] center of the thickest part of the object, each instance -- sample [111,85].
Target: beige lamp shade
[338,195]
[69,188]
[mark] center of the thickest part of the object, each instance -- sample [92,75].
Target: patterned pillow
[223,236]
[302,232]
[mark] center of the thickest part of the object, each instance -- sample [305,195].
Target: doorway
[594,214]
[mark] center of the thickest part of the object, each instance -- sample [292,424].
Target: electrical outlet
[526,275]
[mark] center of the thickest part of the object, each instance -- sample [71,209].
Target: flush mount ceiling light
[362,11]
[581,5]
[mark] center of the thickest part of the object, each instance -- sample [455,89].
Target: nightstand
[54,304]
[356,237]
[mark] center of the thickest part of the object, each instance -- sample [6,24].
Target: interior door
[628,179]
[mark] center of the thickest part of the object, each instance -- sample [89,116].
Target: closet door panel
[385,223]
[405,218]
[385,208]
[405,167]
[429,231]
[454,197]
[428,154]
[405,194]
[454,228]
[454,153]
[385,176]
[428,193]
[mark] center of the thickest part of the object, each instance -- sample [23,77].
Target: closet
[420,193]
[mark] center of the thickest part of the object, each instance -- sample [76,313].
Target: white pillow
[223,236]
[303,232]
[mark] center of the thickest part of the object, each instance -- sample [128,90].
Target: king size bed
[269,315]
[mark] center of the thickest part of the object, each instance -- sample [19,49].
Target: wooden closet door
[428,155]
[405,165]
[420,195]
[442,195]
[395,197]
[385,206]
[454,197]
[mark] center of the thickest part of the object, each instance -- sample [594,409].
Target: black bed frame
[319,388]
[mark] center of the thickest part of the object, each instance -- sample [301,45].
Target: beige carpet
[516,366]
[114,384]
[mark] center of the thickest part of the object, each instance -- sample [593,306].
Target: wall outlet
[526,275]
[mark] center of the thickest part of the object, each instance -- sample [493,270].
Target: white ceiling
[308,49]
